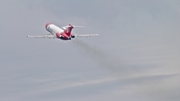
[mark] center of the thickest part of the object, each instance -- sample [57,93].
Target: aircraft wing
[42,36]
[86,35]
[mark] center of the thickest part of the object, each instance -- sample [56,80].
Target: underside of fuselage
[65,38]
[62,38]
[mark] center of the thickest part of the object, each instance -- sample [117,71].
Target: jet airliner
[64,33]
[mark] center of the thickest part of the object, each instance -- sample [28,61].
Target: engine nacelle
[72,36]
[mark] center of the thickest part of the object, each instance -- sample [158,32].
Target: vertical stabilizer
[69,29]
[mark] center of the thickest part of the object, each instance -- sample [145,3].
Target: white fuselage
[53,29]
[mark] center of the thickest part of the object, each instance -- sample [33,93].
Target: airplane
[63,33]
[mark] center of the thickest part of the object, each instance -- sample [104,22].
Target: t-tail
[69,29]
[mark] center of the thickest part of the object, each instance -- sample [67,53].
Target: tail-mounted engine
[72,36]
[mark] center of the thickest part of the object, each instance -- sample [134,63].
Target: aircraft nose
[47,24]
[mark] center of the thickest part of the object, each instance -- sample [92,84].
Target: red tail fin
[71,25]
[69,29]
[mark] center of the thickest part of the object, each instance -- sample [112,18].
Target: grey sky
[135,58]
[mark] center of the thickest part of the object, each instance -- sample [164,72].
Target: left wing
[42,36]
[86,35]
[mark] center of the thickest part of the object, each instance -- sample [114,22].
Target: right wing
[42,36]
[86,35]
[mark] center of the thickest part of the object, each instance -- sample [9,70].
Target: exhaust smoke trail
[112,64]
[103,59]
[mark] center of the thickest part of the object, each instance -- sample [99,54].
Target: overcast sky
[135,58]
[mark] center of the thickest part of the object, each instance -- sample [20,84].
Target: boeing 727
[64,33]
